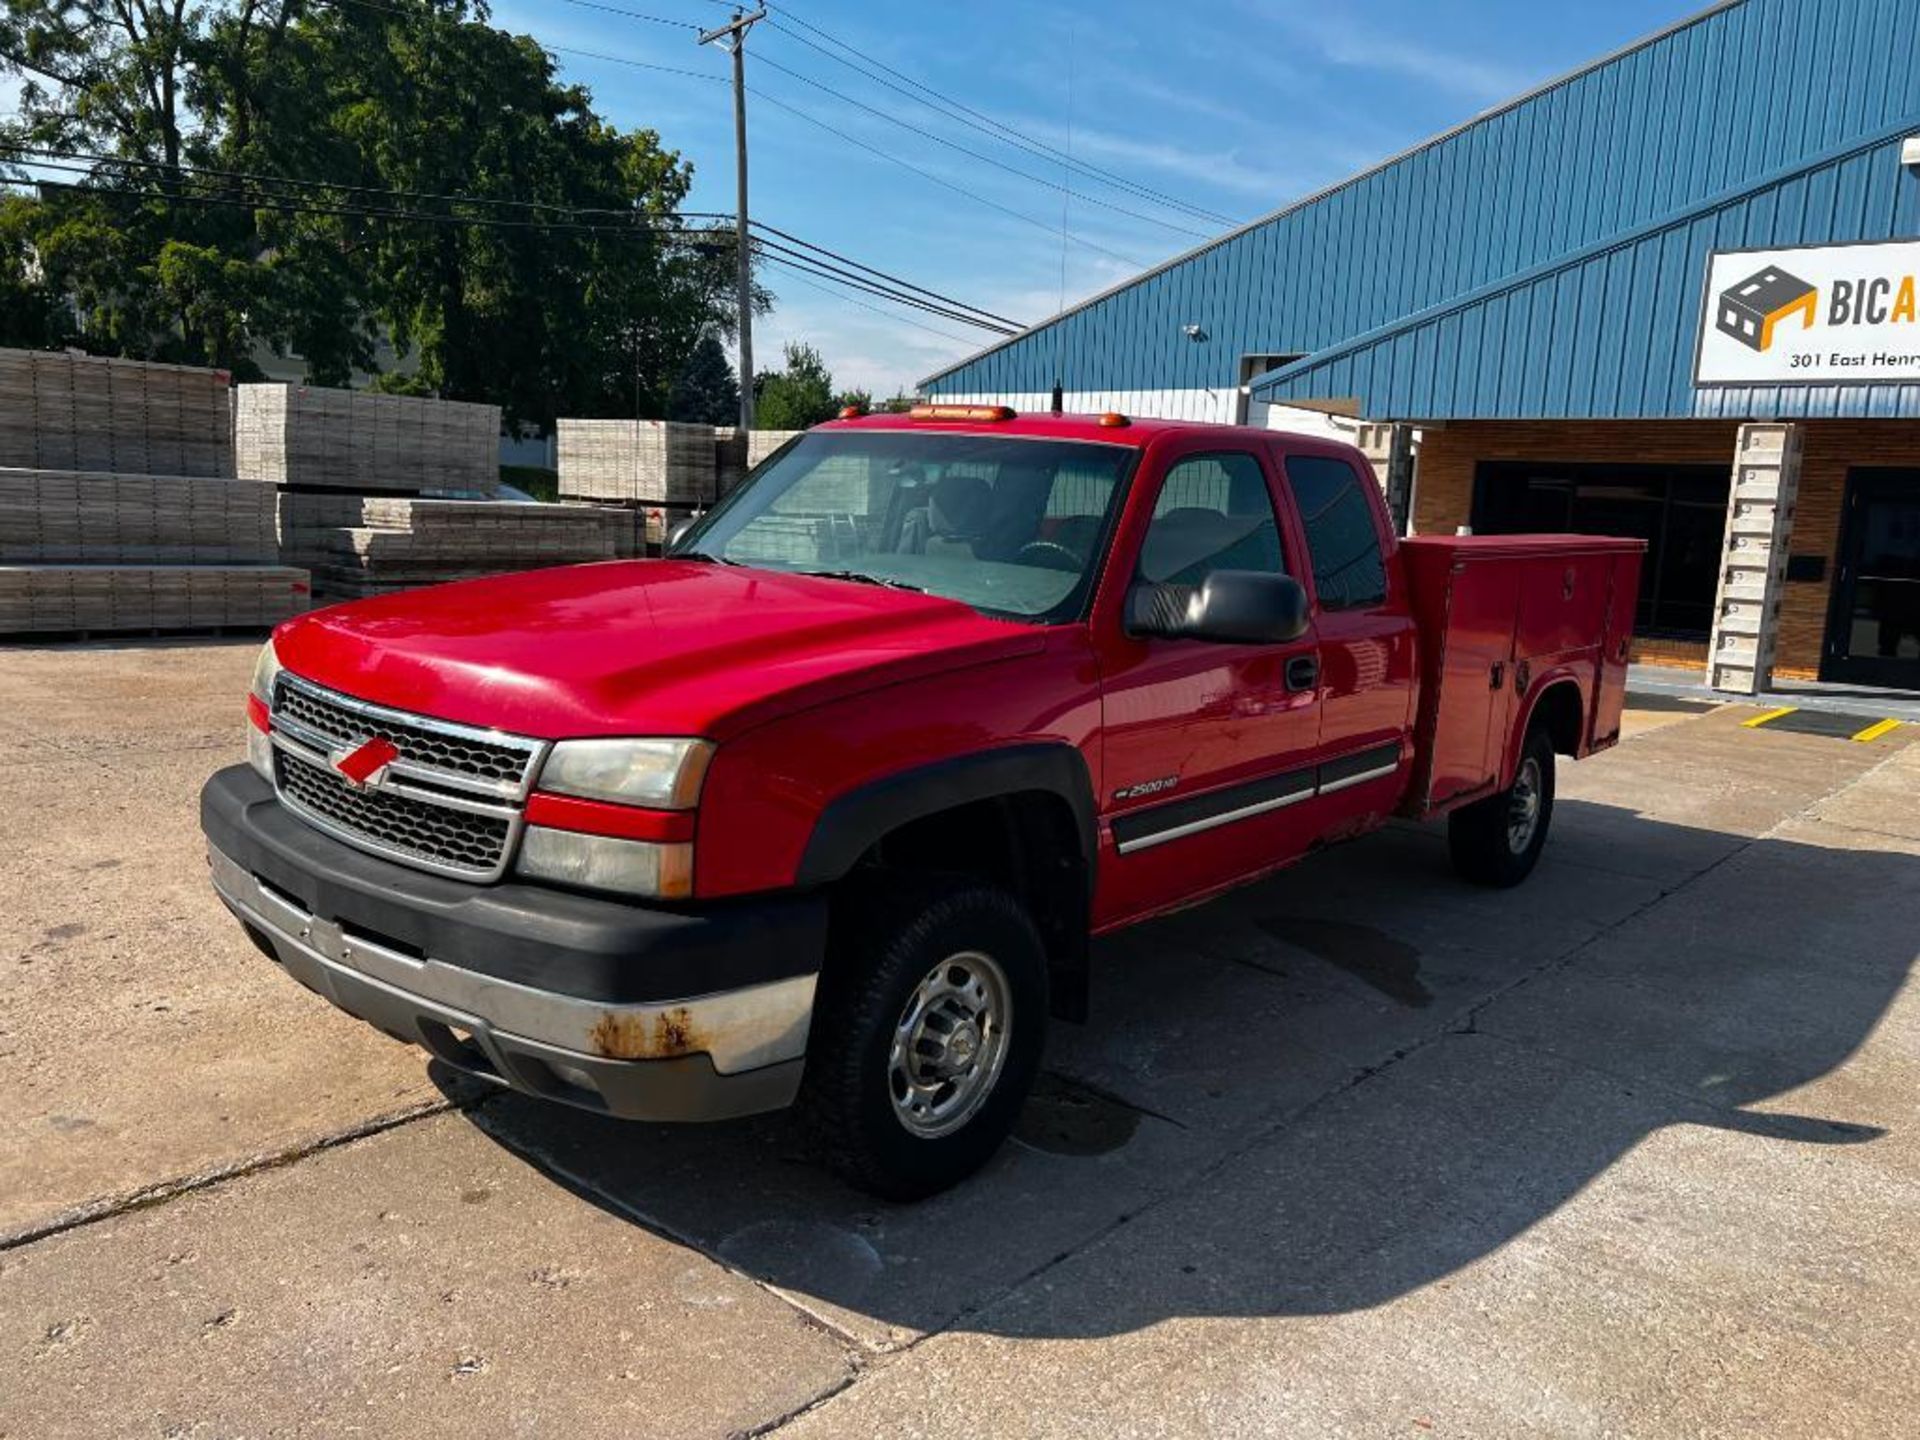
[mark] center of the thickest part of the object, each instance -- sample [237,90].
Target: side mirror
[1229,607]
[678,533]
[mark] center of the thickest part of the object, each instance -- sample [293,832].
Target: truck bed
[1504,618]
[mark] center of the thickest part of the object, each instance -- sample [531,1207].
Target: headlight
[266,670]
[663,774]
[601,862]
[259,712]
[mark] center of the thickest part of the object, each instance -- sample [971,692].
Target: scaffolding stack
[60,411]
[118,512]
[364,443]
[357,546]
[637,462]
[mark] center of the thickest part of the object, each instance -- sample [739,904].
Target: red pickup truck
[826,806]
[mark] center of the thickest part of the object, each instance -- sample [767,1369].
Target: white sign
[1822,314]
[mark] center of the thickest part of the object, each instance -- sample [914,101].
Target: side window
[1213,513]
[1348,571]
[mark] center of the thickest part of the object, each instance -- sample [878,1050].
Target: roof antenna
[1066,198]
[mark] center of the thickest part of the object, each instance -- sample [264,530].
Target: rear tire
[1497,841]
[927,1032]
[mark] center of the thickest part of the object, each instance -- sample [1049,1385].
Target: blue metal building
[1558,284]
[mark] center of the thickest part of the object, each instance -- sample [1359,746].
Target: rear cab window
[1343,541]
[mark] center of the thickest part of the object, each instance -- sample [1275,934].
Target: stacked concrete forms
[638,462]
[358,545]
[114,511]
[361,442]
[95,518]
[60,411]
[69,599]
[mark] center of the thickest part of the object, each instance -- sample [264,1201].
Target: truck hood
[633,647]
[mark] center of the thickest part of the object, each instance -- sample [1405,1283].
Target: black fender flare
[854,822]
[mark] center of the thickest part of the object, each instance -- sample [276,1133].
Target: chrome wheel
[950,1044]
[1523,806]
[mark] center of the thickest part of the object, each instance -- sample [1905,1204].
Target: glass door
[1873,631]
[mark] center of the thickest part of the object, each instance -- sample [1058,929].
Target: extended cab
[826,806]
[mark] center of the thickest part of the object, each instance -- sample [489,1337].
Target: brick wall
[1443,497]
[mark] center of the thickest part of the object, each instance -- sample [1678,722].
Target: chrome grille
[493,763]
[450,802]
[403,825]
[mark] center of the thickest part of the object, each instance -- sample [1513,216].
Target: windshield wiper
[703,555]
[860,577]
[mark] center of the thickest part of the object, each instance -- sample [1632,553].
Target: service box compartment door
[1466,611]
[1610,695]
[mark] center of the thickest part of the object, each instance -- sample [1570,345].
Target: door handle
[1303,672]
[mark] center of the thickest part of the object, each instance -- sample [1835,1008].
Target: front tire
[1497,841]
[927,1032]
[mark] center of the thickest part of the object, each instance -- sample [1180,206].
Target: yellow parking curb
[1757,721]
[1874,732]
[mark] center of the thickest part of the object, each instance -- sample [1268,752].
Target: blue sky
[1233,106]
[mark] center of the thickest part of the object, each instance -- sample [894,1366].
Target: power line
[811,119]
[298,205]
[955,145]
[830,267]
[894,279]
[794,257]
[973,195]
[191,168]
[976,120]
[884,314]
[463,198]
[634,14]
[933,303]
[556,49]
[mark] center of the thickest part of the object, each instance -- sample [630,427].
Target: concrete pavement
[1359,1150]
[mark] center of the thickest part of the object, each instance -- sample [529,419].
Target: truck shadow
[1328,1089]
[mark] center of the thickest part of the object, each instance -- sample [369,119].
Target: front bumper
[593,1002]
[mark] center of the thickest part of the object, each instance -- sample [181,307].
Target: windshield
[1011,526]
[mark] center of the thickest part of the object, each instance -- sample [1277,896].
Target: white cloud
[1345,42]
[1221,166]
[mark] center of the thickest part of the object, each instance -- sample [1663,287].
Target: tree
[174,248]
[706,392]
[30,317]
[796,397]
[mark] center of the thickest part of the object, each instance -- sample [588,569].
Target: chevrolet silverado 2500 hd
[826,806]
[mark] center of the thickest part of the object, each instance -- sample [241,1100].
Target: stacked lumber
[357,440]
[62,411]
[100,518]
[657,462]
[358,546]
[64,599]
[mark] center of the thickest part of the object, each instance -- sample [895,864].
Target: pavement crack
[779,1422]
[107,1207]
[600,1195]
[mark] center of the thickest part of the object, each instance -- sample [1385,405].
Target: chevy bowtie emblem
[364,766]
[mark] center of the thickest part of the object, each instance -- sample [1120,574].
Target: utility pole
[732,37]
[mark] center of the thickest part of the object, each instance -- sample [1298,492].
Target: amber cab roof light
[961,412]
[852,412]
[1113,419]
